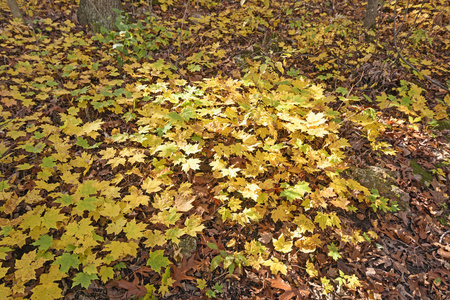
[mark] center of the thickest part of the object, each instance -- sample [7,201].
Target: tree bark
[371,13]
[14,7]
[98,13]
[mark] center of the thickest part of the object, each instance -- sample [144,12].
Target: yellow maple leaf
[154,238]
[110,210]
[191,148]
[134,230]
[138,157]
[281,213]
[281,245]
[230,172]
[251,191]
[116,161]
[151,185]
[108,153]
[54,274]
[217,164]
[341,203]
[323,220]
[311,270]
[136,198]
[26,266]
[191,164]
[193,225]
[163,201]
[276,266]
[48,291]
[106,273]
[304,224]
[334,220]
[116,226]
[90,129]
[308,244]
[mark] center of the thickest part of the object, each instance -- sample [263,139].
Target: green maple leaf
[87,203]
[173,234]
[175,116]
[44,242]
[84,279]
[66,261]
[157,260]
[5,230]
[188,113]
[34,149]
[210,294]
[218,287]
[295,192]
[48,162]
[24,167]
[333,251]
[88,188]
[84,143]
[4,186]
[342,90]
[215,262]
[4,251]
[65,200]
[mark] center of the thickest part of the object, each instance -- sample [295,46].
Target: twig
[443,235]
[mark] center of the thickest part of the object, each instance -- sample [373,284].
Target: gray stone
[385,181]
[187,246]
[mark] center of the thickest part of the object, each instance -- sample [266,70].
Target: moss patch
[418,169]
[443,125]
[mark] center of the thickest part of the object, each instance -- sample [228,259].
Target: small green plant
[230,260]
[420,35]
[350,281]
[134,42]
[217,289]
[381,203]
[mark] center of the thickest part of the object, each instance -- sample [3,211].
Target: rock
[187,246]
[385,181]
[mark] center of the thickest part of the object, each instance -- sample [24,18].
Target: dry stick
[443,235]
[407,62]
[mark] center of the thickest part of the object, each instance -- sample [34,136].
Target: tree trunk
[371,13]
[14,7]
[98,13]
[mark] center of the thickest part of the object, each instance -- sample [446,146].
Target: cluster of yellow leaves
[88,195]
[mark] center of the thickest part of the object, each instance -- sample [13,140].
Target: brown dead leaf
[289,291]
[266,237]
[179,273]
[442,252]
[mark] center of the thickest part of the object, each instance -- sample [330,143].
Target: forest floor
[83,146]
